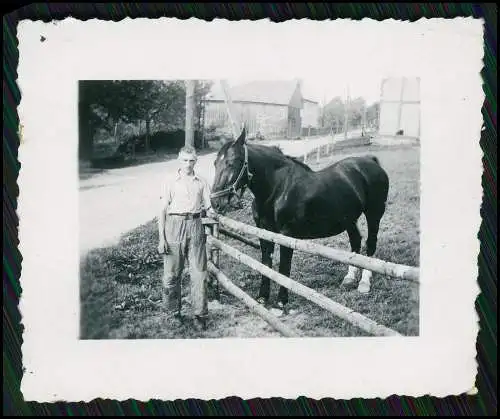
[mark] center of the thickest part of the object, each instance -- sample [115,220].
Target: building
[268,108]
[400,108]
[310,115]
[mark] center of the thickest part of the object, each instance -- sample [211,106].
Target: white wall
[310,115]
[400,107]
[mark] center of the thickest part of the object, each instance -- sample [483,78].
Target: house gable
[277,92]
[296,99]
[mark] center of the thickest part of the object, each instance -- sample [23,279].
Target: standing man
[182,237]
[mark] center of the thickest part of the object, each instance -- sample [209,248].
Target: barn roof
[278,92]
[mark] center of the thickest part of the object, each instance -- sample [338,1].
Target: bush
[161,140]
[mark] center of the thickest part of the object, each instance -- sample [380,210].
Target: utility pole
[324,112]
[190,106]
[202,124]
[346,116]
[400,107]
[363,122]
[235,126]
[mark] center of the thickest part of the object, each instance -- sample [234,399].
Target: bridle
[232,189]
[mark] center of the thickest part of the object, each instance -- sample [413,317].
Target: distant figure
[400,132]
[182,237]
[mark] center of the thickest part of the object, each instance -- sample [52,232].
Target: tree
[97,104]
[355,111]
[334,114]
[104,104]
[172,114]
[151,101]
[146,100]
[85,137]
[372,114]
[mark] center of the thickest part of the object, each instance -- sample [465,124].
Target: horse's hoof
[277,312]
[262,300]
[282,307]
[348,282]
[363,288]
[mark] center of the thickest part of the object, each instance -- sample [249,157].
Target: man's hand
[212,214]
[162,247]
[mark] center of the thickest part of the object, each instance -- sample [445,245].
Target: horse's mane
[275,151]
[286,156]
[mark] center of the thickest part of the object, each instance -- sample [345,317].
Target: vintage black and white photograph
[255,208]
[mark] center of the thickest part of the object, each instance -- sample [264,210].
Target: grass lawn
[121,285]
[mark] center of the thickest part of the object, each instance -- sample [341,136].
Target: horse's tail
[386,181]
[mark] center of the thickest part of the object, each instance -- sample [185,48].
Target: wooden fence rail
[315,155]
[251,303]
[237,236]
[405,272]
[331,306]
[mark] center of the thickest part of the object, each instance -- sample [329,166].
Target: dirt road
[121,199]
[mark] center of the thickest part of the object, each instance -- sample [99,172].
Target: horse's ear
[241,139]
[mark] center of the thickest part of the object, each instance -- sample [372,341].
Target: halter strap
[232,188]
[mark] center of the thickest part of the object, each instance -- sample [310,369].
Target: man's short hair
[187,149]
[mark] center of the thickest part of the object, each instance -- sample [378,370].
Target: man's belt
[187,215]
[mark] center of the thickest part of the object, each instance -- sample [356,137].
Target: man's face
[187,162]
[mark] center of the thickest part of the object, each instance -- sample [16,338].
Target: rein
[232,189]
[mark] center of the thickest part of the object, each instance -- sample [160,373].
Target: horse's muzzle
[220,200]
[223,193]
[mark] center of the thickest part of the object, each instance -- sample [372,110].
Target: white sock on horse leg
[351,275]
[364,284]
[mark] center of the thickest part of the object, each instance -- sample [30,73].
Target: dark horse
[294,200]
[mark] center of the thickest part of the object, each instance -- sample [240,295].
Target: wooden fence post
[215,257]
[212,230]
[215,254]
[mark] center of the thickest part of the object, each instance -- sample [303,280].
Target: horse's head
[231,171]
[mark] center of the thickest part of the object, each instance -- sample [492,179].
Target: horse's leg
[267,249]
[355,240]
[229,199]
[286,254]
[240,198]
[373,220]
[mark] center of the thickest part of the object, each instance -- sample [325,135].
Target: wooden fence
[326,150]
[233,228]
[349,258]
